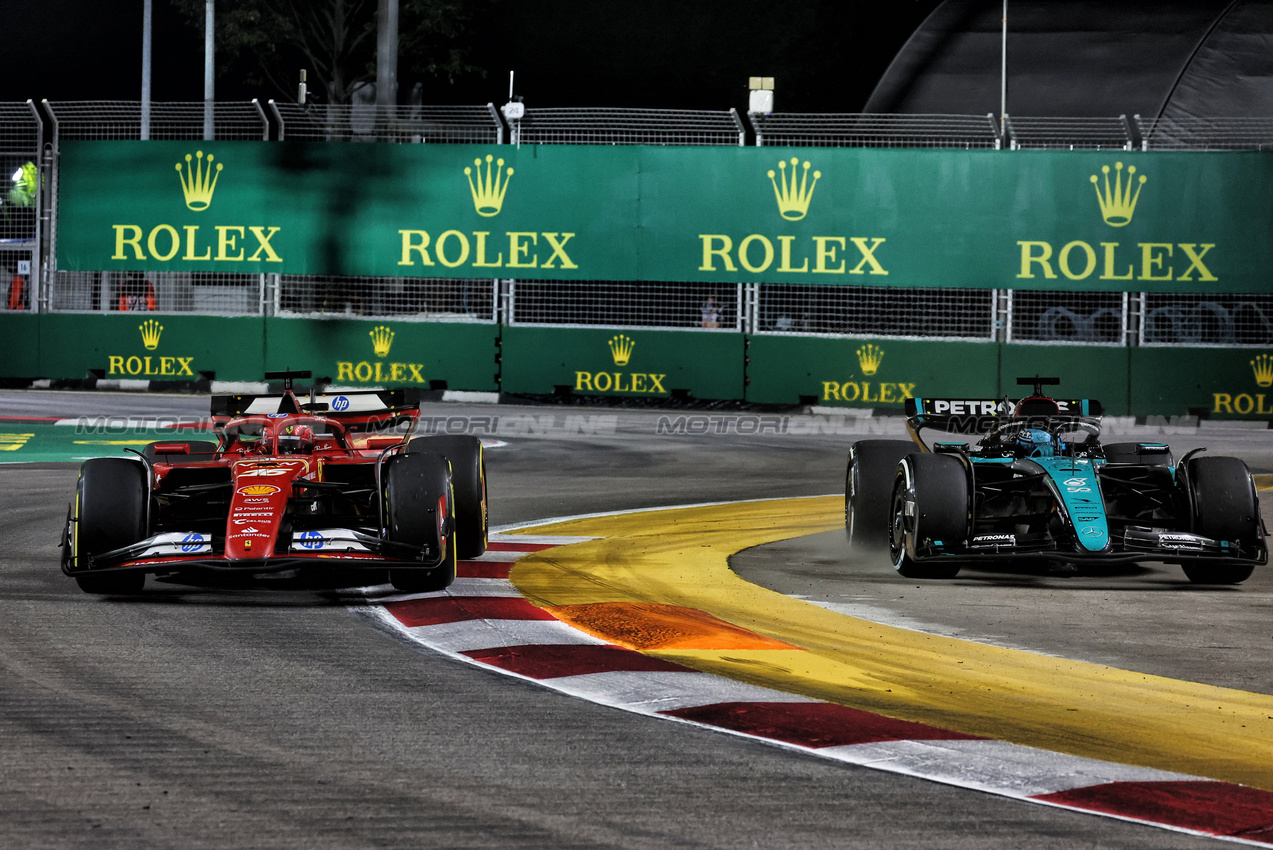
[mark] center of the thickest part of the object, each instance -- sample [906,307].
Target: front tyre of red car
[111,498]
[1225,507]
[930,504]
[468,477]
[420,510]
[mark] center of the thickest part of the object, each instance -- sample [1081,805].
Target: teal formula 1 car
[1039,487]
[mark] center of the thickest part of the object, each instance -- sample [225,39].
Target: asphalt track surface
[277,718]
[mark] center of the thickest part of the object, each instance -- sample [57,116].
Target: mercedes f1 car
[1039,487]
[334,482]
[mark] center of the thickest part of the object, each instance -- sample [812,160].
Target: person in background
[19,298]
[137,294]
[711,312]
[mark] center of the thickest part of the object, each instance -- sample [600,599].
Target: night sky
[826,56]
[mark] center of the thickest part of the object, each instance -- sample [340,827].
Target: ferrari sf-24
[334,482]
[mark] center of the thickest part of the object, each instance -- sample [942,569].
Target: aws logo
[789,254]
[195,243]
[379,371]
[869,357]
[1145,261]
[1249,403]
[621,349]
[148,366]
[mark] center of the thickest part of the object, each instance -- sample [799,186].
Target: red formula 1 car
[334,482]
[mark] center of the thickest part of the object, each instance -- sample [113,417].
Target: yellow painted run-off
[659,582]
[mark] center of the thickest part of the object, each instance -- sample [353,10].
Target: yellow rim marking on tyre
[678,558]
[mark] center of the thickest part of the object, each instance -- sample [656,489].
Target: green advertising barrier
[1076,220]
[630,363]
[1098,372]
[879,374]
[154,347]
[163,347]
[353,352]
[1217,383]
[20,345]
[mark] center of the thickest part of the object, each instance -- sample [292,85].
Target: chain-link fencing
[161,292]
[1053,316]
[422,298]
[1205,134]
[21,203]
[874,311]
[628,127]
[625,304]
[370,123]
[1175,319]
[122,119]
[1026,133]
[875,131]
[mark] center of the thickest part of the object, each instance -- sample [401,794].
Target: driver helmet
[295,440]
[1035,442]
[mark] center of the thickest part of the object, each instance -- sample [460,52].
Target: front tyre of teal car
[1225,508]
[929,511]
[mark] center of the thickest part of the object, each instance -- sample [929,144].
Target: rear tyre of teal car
[420,510]
[929,510]
[1225,507]
[111,500]
[468,477]
[868,490]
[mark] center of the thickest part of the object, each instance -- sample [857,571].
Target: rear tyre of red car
[468,477]
[930,504]
[111,498]
[868,490]
[1225,507]
[420,510]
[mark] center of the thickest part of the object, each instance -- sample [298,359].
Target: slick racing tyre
[111,499]
[1225,507]
[468,477]
[420,510]
[868,490]
[930,504]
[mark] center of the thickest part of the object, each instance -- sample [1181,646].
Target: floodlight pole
[209,68]
[145,68]
[1003,74]
[386,57]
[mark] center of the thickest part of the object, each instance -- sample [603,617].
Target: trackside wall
[648,254]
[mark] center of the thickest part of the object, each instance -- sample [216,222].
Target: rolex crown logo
[150,331]
[1118,206]
[381,339]
[1262,366]
[488,191]
[793,191]
[869,357]
[621,349]
[199,182]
